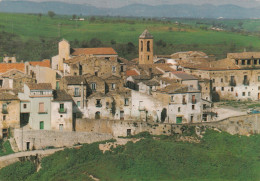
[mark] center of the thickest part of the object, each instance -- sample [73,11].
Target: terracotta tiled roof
[131,73]
[7,96]
[94,51]
[184,76]
[61,95]
[40,86]
[4,67]
[75,80]
[44,63]
[244,55]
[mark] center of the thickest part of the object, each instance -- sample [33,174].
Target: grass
[31,27]
[5,148]
[219,156]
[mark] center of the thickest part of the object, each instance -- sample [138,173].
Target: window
[98,103]
[191,118]
[4,117]
[96,73]
[249,93]
[243,94]
[172,98]
[255,61]
[248,62]
[62,107]
[232,89]
[41,107]
[243,62]
[193,107]
[236,62]
[213,80]
[183,99]
[4,108]
[61,127]
[204,106]
[107,105]
[24,106]
[57,85]
[258,78]
[113,69]
[221,79]
[93,86]
[148,46]
[214,89]
[222,88]
[113,86]
[78,103]
[1,83]
[142,46]
[148,57]
[179,109]
[80,69]
[193,99]
[126,101]
[76,92]
[258,87]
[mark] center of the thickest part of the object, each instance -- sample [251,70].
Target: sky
[120,3]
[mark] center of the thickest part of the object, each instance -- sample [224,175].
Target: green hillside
[218,157]
[35,29]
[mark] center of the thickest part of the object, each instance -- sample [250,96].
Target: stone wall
[120,128]
[40,139]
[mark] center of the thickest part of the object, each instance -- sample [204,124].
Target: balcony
[232,83]
[62,110]
[99,105]
[246,82]
[4,111]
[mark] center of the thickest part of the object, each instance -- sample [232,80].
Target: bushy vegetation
[219,156]
[39,34]
[17,172]
[5,148]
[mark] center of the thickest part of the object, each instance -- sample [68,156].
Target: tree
[51,14]
[40,15]
[74,16]
[95,42]
[163,115]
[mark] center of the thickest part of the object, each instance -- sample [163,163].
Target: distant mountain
[179,10]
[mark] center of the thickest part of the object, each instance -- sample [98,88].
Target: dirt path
[12,158]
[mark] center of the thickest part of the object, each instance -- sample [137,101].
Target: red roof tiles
[44,63]
[131,72]
[4,67]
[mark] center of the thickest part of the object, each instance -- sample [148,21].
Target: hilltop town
[84,95]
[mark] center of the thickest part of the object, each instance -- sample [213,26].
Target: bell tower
[146,48]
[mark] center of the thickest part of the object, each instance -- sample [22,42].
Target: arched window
[148,46]
[142,46]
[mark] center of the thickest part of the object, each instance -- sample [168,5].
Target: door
[121,115]
[27,145]
[179,120]
[41,125]
[128,132]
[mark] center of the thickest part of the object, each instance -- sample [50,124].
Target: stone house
[95,84]
[14,80]
[66,53]
[183,78]
[114,83]
[36,105]
[235,78]
[76,87]
[10,113]
[183,103]
[113,105]
[62,111]
[97,66]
